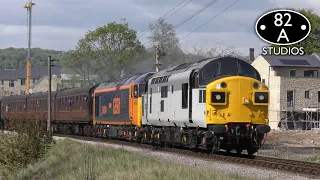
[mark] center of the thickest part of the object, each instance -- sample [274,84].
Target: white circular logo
[218,97]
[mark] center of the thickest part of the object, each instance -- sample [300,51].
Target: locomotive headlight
[261,97]
[218,97]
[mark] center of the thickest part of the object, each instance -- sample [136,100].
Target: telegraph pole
[49,91]
[29,8]
[159,54]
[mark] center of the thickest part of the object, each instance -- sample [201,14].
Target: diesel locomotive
[212,104]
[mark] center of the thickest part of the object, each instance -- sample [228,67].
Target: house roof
[294,61]
[36,73]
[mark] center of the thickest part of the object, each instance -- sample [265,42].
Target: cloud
[310,4]
[58,24]
[54,37]
[241,41]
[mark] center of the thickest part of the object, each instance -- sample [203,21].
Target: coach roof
[134,79]
[42,95]
[192,65]
[75,91]
[14,98]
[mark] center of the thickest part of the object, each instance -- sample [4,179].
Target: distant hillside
[12,58]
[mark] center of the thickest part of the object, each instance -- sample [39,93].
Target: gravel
[242,170]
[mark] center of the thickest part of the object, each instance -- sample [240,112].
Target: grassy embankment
[72,160]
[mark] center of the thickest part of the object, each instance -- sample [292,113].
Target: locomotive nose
[238,99]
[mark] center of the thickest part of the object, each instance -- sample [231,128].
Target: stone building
[294,86]
[14,80]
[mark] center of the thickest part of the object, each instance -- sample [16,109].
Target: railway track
[307,169]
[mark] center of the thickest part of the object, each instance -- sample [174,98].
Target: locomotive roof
[73,91]
[184,67]
[191,65]
[134,79]
[14,98]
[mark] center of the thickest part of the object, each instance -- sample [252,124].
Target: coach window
[77,103]
[185,96]
[85,102]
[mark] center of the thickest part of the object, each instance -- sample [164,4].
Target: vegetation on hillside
[13,58]
[71,160]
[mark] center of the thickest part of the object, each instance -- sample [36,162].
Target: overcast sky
[58,24]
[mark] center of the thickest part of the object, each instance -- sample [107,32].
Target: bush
[26,143]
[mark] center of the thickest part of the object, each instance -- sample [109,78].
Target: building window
[23,82]
[311,73]
[185,96]
[318,96]
[292,73]
[306,94]
[11,83]
[202,96]
[263,81]
[290,99]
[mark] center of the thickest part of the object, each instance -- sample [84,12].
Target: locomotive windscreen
[224,67]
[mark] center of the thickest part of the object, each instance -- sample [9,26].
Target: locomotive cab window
[142,89]
[135,91]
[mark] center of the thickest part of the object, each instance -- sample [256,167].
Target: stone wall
[299,86]
[42,86]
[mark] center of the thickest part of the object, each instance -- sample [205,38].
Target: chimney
[251,54]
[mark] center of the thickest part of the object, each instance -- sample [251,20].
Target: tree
[80,61]
[163,34]
[105,51]
[218,50]
[312,42]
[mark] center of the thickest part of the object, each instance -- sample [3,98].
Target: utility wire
[178,10]
[187,19]
[210,19]
[164,16]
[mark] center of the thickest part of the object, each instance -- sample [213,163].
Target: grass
[72,160]
[289,155]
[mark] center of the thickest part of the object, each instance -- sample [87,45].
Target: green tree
[105,51]
[312,42]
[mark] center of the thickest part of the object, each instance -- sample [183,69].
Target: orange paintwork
[133,107]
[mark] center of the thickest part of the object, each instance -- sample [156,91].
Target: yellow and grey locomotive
[216,103]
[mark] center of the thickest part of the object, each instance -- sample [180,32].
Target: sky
[59,24]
